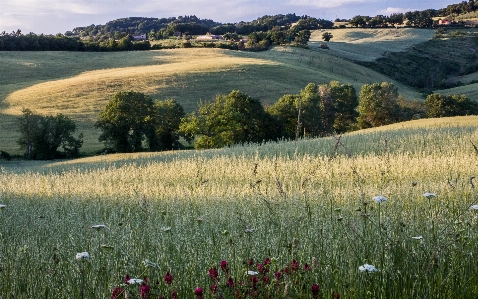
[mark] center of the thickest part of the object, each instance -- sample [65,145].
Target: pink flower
[261,268]
[213,274]
[168,278]
[144,290]
[294,265]
[223,265]
[265,279]
[198,293]
[213,288]
[315,291]
[174,294]
[126,279]
[230,283]
[277,275]
[306,267]
[250,262]
[117,293]
[267,261]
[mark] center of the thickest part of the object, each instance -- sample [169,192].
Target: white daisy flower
[252,272]
[83,256]
[166,229]
[99,226]
[367,268]
[379,198]
[249,230]
[474,207]
[2,206]
[135,281]
[418,238]
[429,195]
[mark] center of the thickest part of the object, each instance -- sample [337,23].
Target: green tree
[438,105]
[285,112]
[345,106]
[378,105]
[327,36]
[125,121]
[166,119]
[230,119]
[41,136]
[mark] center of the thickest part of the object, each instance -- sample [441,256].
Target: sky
[59,16]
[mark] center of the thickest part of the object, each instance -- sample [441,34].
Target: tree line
[133,122]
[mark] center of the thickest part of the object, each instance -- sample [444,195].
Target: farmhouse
[210,37]
[444,22]
[139,36]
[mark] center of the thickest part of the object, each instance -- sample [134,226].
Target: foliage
[41,136]
[167,116]
[345,102]
[449,105]
[327,36]
[125,121]
[378,105]
[235,118]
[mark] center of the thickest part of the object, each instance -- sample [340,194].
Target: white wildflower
[99,226]
[83,256]
[166,228]
[429,195]
[418,238]
[474,207]
[367,268]
[379,199]
[135,281]
[147,264]
[252,272]
[249,230]
[2,206]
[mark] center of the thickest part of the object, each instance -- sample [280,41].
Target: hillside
[79,84]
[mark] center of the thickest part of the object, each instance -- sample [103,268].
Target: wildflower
[144,290]
[99,226]
[429,195]
[166,228]
[254,281]
[379,199]
[134,281]
[199,220]
[230,283]
[474,207]
[306,267]
[277,275]
[147,264]
[198,293]
[315,291]
[294,265]
[126,279]
[168,278]
[250,262]
[213,274]
[249,230]
[367,268]
[213,288]
[267,261]
[261,268]
[117,293]
[2,206]
[417,238]
[83,256]
[265,279]
[252,272]
[225,232]
[174,294]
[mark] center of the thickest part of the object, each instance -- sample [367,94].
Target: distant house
[445,22]
[177,33]
[210,37]
[138,37]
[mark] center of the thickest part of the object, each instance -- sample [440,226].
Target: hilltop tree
[41,136]
[327,36]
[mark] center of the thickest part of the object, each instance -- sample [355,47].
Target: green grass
[80,84]
[303,200]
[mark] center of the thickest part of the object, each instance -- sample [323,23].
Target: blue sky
[58,16]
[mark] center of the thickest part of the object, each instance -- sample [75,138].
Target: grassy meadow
[79,84]
[307,203]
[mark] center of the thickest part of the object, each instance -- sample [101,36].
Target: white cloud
[391,10]
[328,3]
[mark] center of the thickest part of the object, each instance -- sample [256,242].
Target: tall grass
[186,211]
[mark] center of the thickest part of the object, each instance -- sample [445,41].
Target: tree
[378,105]
[235,118]
[327,36]
[438,105]
[41,136]
[285,112]
[125,121]
[345,106]
[166,119]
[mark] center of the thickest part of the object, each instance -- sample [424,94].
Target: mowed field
[79,84]
[307,206]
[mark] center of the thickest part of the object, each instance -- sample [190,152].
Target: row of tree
[132,122]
